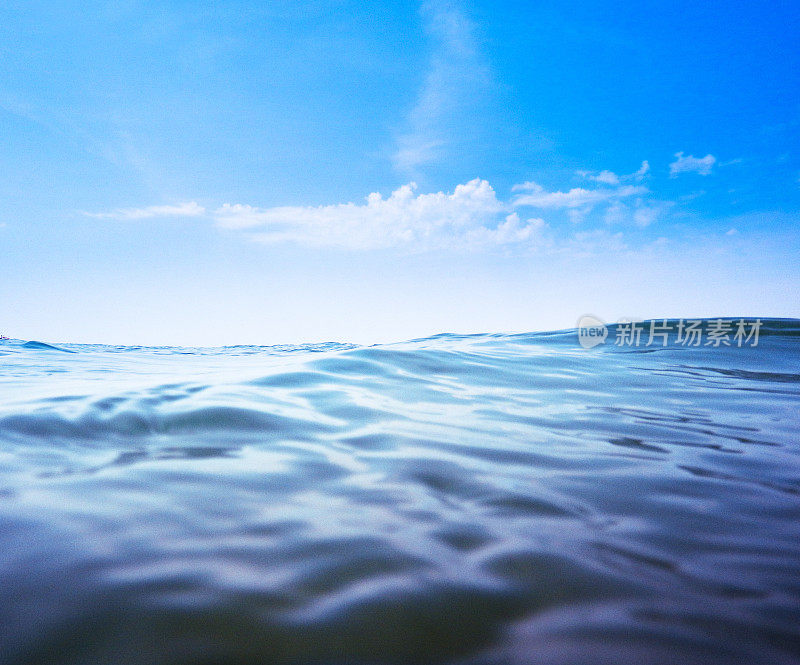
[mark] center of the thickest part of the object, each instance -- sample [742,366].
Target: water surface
[457,499]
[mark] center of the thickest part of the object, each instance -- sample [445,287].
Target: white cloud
[691,164]
[644,169]
[243,216]
[471,216]
[606,177]
[468,216]
[578,197]
[525,186]
[189,209]
[641,212]
[415,149]
[512,231]
[645,215]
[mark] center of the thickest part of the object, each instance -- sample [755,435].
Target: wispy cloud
[610,178]
[606,177]
[456,73]
[647,214]
[641,212]
[691,164]
[189,209]
[643,170]
[536,196]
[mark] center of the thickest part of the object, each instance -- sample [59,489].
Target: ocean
[470,499]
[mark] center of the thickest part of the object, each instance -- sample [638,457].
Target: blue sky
[249,172]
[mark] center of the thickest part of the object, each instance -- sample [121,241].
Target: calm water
[458,499]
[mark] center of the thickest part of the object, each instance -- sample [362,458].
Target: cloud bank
[470,215]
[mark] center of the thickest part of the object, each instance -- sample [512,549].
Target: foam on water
[459,499]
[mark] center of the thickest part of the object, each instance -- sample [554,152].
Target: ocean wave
[498,498]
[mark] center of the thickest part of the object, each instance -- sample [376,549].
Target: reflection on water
[460,499]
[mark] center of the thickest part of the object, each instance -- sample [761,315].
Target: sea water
[458,499]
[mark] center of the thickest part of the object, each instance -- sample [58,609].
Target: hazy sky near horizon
[207,173]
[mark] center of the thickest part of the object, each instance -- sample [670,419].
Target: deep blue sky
[197,172]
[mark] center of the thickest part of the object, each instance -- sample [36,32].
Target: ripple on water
[474,499]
